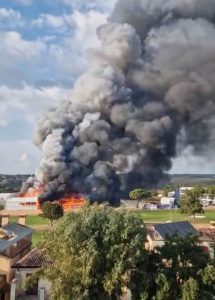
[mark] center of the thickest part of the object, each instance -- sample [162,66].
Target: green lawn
[32,220]
[36,220]
[173,215]
[147,215]
[36,237]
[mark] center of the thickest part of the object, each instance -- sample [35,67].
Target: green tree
[1,206]
[167,189]
[207,282]
[94,253]
[139,194]
[190,289]
[199,191]
[177,270]
[210,190]
[52,211]
[190,203]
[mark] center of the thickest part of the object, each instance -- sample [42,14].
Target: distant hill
[192,179]
[11,183]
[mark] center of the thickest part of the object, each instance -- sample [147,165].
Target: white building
[167,201]
[4,197]
[20,203]
[206,200]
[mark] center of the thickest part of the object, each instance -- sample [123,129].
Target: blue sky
[42,52]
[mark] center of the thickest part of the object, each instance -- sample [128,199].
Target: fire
[67,202]
[33,192]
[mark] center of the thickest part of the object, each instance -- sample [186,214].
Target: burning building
[31,201]
[148,90]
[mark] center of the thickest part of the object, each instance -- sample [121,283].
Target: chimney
[22,219]
[4,219]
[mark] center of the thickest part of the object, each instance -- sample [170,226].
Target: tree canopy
[99,252]
[190,203]
[211,191]
[93,253]
[52,211]
[139,194]
[178,270]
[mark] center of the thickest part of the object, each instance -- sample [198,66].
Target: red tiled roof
[33,259]
[207,234]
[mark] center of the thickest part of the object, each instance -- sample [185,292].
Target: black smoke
[152,80]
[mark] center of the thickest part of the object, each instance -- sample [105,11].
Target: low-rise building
[168,201]
[15,243]
[30,263]
[156,234]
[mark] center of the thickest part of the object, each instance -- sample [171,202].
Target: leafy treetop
[52,211]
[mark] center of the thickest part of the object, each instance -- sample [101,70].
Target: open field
[158,216]
[148,216]
[32,220]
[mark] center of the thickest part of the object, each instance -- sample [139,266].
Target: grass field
[36,237]
[32,220]
[173,215]
[147,215]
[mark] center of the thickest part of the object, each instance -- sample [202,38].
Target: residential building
[30,263]
[15,243]
[156,234]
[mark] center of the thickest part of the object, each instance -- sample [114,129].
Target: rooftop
[160,231]
[33,259]
[207,234]
[12,233]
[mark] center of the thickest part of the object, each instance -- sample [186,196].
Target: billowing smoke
[150,85]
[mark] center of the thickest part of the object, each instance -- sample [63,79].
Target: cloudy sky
[42,52]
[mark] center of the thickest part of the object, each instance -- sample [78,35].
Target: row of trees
[99,253]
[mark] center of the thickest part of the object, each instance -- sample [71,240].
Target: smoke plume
[151,84]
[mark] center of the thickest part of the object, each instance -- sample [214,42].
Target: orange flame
[67,202]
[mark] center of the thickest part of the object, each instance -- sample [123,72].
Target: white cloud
[10,19]
[20,157]
[28,103]
[53,58]
[25,157]
[69,56]
[47,20]
[25,68]
[19,58]
[15,46]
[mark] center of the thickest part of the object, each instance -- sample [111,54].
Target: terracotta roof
[207,234]
[34,259]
